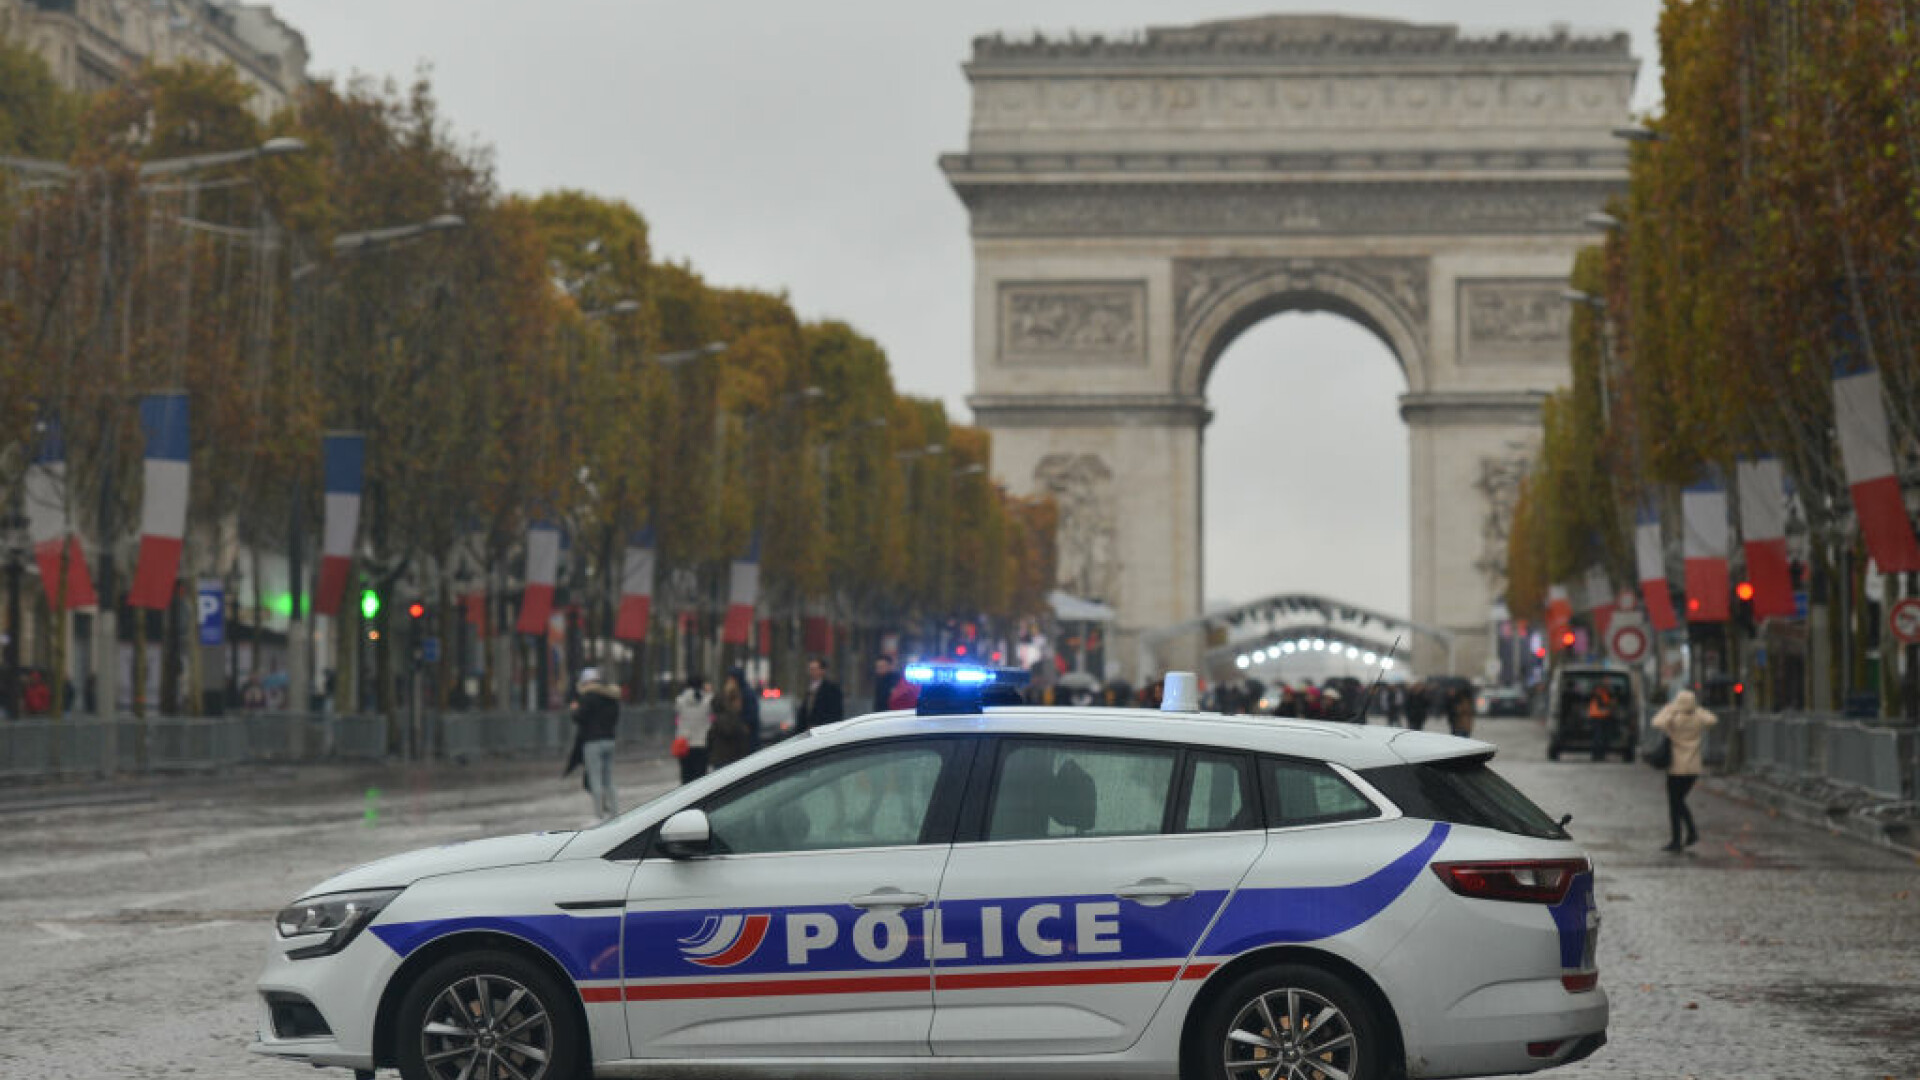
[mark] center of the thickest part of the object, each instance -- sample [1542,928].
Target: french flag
[49,528]
[1651,558]
[1763,535]
[1860,417]
[543,568]
[636,588]
[344,457]
[1703,509]
[743,594]
[163,502]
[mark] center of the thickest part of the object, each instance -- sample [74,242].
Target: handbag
[680,746]
[1660,755]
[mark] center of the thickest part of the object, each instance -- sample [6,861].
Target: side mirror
[686,834]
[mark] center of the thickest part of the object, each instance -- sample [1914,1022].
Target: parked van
[1570,692]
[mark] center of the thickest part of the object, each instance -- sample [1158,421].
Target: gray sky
[792,146]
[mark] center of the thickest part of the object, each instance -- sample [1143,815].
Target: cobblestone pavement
[131,930]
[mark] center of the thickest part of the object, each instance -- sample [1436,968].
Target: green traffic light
[369,604]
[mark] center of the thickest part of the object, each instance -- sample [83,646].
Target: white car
[1092,893]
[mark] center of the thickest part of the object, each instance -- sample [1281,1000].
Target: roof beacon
[1180,693]
[959,689]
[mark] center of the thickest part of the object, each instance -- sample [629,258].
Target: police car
[981,892]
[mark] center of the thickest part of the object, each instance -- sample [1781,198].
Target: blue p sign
[213,613]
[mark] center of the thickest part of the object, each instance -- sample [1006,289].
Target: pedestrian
[1685,725]
[596,713]
[749,710]
[1417,705]
[1396,703]
[883,679]
[727,740]
[1460,708]
[1600,721]
[692,720]
[823,702]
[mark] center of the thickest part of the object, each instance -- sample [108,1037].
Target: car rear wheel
[488,1015]
[1292,1022]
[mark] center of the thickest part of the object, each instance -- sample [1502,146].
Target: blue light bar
[950,675]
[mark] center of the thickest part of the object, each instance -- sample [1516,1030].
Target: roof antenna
[1360,717]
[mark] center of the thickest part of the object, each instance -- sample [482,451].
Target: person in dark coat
[596,713]
[1417,701]
[823,702]
[727,738]
[884,677]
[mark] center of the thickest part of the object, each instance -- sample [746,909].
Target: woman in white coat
[1685,725]
[692,717]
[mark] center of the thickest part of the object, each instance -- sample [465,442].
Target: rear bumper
[1488,1032]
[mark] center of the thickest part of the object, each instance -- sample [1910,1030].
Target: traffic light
[1743,605]
[1567,638]
[369,604]
[416,611]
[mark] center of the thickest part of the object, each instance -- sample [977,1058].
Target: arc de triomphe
[1138,203]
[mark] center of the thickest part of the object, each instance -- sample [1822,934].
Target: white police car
[1087,892]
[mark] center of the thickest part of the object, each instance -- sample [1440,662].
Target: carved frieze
[1087,540]
[1199,285]
[1507,320]
[1280,209]
[1499,484]
[1082,322]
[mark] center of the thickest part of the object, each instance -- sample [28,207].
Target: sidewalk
[1839,811]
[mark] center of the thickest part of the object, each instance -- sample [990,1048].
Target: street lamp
[1577,296]
[688,356]
[274,147]
[626,306]
[1638,133]
[1601,221]
[349,243]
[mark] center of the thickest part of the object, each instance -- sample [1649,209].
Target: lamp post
[299,662]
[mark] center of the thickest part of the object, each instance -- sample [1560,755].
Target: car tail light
[1580,982]
[1527,881]
[1545,1049]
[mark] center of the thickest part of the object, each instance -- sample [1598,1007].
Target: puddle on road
[1869,1011]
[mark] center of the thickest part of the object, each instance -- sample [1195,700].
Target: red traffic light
[1567,639]
[1739,688]
[1744,591]
[416,610]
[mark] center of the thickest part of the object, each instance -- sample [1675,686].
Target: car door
[1086,873]
[803,933]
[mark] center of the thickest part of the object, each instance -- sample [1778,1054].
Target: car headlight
[340,916]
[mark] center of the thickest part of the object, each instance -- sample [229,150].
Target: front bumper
[344,989]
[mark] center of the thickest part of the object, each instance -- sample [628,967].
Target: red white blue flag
[1860,418]
[1703,510]
[636,588]
[163,501]
[344,458]
[543,569]
[1763,535]
[1559,612]
[56,547]
[743,595]
[1650,558]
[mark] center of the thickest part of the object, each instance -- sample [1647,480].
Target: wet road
[131,929]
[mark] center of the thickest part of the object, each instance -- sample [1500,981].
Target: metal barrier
[1875,760]
[40,747]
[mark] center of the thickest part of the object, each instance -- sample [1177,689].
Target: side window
[1056,789]
[1308,793]
[1220,794]
[875,797]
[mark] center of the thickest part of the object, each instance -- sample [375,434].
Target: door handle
[889,897]
[1152,892]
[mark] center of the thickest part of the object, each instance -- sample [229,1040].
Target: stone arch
[1218,299]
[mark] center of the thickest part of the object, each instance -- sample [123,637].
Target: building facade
[91,45]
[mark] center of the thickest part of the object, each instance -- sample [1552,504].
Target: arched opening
[1306,467]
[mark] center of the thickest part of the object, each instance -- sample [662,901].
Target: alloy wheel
[1290,1034]
[486,1027]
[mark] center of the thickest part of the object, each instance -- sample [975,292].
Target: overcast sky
[792,146]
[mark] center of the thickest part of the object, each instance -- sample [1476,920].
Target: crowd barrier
[1873,759]
[89,746]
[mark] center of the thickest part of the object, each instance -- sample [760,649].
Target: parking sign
[213,612]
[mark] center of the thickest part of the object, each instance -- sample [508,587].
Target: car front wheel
[1292,1022]
[488,1015]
